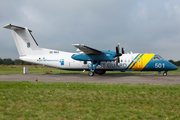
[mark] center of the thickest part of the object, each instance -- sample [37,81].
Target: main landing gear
[91,73]
[92,69]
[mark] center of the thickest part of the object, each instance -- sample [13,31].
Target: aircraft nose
[173,67]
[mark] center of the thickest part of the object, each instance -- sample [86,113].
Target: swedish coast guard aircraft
[93,60]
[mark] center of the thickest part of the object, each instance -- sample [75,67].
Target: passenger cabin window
[85,62]
[56,51]
[156,58]
[121,60]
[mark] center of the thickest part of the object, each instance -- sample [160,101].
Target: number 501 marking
[159,65]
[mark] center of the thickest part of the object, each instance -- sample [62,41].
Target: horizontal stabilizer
[13,27]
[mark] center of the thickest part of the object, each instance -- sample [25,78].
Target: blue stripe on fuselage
[132,61]
[136,61]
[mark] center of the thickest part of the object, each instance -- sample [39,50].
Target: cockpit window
[158,58]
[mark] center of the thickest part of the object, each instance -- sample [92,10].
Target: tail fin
[25,42]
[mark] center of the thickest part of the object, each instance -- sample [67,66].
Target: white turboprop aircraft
[93,60]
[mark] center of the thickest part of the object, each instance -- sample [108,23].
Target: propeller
[118,54]
[122,50]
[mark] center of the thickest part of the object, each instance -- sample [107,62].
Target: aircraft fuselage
[128,62]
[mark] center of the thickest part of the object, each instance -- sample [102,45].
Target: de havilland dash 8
[93,60]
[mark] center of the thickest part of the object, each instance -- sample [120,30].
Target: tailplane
[25,42]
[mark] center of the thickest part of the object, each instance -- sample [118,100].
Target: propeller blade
[122,50]
[117,55]
[116,60]
[117,49]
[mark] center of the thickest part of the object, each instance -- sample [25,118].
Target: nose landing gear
[165,74]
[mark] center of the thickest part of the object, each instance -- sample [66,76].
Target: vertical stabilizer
[25,42]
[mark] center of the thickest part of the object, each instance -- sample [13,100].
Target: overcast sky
[140,26]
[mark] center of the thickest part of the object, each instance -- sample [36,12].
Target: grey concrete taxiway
[107,78]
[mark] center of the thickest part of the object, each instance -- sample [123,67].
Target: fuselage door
[139,64]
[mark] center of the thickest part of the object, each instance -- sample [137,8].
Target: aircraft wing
[86,49]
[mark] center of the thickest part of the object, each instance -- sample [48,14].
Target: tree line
[9,61]
[177,63]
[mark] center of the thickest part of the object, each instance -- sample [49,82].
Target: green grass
[42,69]
[18,69]
[30,100]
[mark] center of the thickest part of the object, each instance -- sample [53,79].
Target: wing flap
[86,49]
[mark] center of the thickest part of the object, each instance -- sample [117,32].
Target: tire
[91,73]
[165,74]
[100,72]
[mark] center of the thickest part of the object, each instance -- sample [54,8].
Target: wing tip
[77,45]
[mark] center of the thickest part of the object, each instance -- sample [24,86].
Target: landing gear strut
[91,72]
[159,72]
[164,73]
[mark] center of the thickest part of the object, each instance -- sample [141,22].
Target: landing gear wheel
[91,73]
[165,74]
[100,72]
